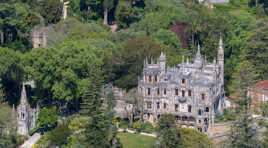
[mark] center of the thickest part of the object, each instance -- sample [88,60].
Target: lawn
[136,141]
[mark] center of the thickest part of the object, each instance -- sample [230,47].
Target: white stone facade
[193,92]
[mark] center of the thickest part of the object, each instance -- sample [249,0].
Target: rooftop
[262,84]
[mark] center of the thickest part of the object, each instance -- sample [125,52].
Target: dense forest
[84,52]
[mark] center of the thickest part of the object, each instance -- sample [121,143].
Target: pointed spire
[182,61]
[220,46]
[23,96]
[198,51]
[152,60]
[145,62]
[198,58]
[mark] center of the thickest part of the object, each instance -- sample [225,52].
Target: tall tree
[243,134]
[168,132]
[51,10]
[256,51]
[61,73]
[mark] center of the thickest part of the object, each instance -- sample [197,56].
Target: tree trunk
[2,38]
[193,39]
[105,17]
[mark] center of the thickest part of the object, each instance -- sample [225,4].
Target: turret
[23,109]
[162,61]
[198,58]
[221,60]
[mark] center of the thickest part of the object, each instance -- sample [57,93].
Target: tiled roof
[262,84]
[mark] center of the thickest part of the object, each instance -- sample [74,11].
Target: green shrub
[147,127]
[137,126]
[123,124]
[59,135]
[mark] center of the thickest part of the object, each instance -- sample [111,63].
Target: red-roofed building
[259,93]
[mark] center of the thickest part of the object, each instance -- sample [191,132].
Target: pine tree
[99,132]
[243,133]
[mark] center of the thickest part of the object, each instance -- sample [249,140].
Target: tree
[15,24]
[125,14]
[11,74]
[47,119]
[168,132]
[167,37]
[51,10]
[264,109]
[62,73]
[8,133]
[256,51]
[243,134]
[59,135]
[129,60]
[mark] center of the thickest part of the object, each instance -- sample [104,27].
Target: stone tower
[39,37]
[221,59]
[27,116]
[221,67]
[23,113]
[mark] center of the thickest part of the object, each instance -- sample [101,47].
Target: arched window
[183,93]
[203,96]
[155,78]
[207,109]
[150,79]
[189,93]
[199,112]
[149,91]
[158,105]
[165,91]
[176,107]
[158,91]
[189,108]
[183,81]
[176,92]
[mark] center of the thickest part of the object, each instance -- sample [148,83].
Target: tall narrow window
[203,96]
[207,109]
[182,81]
[149,91]
[189,93]
[155,78]
[183,93]
[176,92]
[199,112]
[158,105]
[165,105]
[150,79]
[176,107]
[149,105]
[165,91]
[158,91]
[189,108]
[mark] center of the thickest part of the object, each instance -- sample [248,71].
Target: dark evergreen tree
[243,132]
